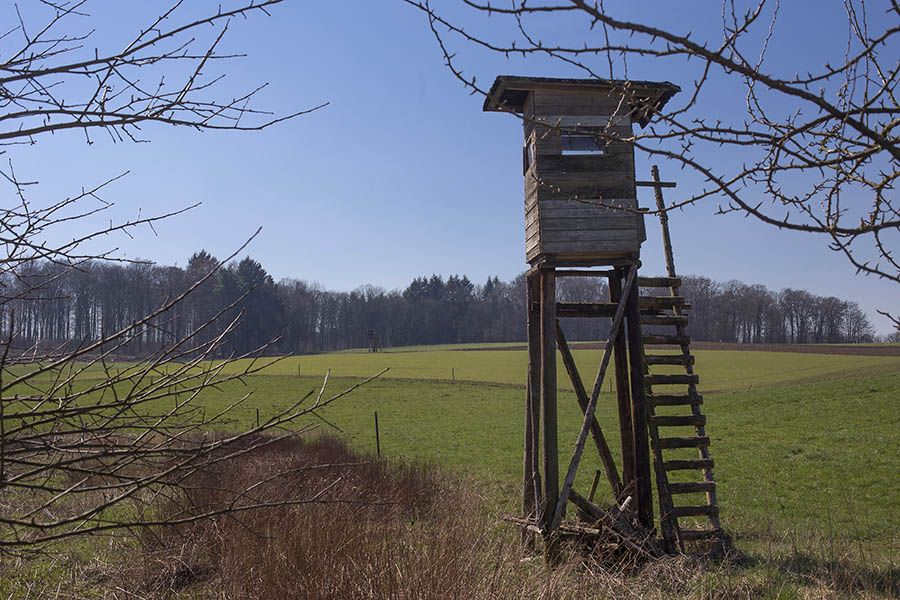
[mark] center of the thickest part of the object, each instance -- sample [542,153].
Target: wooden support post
[643,483]
[623,396]
[663,222]
[531,488]
[548,399]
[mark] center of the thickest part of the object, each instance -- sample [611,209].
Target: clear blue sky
[402,174]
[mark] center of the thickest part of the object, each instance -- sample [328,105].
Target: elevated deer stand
[582,220]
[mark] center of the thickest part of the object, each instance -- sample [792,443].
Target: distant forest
[54,303]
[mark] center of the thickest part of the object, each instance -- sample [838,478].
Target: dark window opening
[579,143]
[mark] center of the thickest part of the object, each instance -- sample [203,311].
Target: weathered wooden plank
[696,511]
[676,399]
[621,221]
[640,410]
[584,218]
[531,488]
[550,453]
[590,235]
[595,120]
[673,379]
[592,248]
[623,390]
[688,465]
[556,190]
[678,420]
[619,177]
[691,442]
[693,487]
[597,164]
[666,359]
[606,205]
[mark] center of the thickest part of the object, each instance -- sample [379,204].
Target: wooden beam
[643,483]
[623,395]
[653,184]
[548,398]
[606,457]
[583,273]
[531,491]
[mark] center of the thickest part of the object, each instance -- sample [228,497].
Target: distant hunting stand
[374,343]
[582,220]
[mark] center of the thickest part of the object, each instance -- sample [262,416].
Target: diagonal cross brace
[592,403]
[609,464]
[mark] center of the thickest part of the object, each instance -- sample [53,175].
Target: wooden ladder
[677,412]
[675,420]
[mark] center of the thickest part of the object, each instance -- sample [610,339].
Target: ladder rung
[671,379]
[690,535]
[676,400]
[710,510]
[668,359]
[659,282]
[691,442]
[678,420]
[674,340]
[692,487]
[684,465]
[664,320]
[657,302]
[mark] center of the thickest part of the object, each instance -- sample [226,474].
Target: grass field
[804,443]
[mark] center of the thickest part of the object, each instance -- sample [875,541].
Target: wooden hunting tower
[581,212]
[578,160]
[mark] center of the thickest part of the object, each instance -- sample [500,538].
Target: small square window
[580,143]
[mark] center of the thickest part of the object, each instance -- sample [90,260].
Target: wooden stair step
[659,282]
[692,487]
[689,442]
[664,320]
[678,420]
[672,379]
[666,340]
[684,465]
[676,399]
[692,535]
[668,359]
[659,302]
[708,510]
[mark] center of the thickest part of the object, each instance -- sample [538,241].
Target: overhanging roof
[509,92]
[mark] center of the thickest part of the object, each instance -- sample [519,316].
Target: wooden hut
[578,161]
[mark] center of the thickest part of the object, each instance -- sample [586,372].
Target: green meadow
[806,445]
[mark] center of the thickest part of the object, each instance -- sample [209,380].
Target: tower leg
[548,398]
[531,480]
[623,396]
[643,483]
